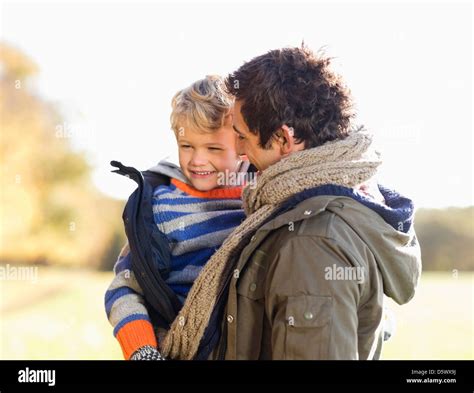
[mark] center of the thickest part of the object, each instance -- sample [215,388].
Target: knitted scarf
[348,162]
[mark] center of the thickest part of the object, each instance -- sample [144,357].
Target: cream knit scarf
[347,162]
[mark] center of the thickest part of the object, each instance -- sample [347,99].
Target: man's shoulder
[325,224]
[326,228]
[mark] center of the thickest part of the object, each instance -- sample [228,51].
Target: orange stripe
[227,193]
[134,335]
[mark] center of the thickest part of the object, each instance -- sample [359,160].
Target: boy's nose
[198,160]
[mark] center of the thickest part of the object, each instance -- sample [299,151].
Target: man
[304,276]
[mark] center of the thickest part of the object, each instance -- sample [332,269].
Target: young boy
[195,212]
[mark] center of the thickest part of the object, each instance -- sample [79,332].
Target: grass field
[61,316]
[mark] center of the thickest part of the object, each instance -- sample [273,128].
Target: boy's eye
[240,136]
[215,148]
[185,146]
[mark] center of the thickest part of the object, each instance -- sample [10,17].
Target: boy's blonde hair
[203,105]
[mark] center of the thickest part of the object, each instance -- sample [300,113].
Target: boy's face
[202,155]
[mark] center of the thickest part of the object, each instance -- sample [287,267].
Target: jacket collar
[398,212]
[303,210]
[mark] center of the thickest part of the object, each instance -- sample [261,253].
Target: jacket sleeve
[125,308]
[311,314]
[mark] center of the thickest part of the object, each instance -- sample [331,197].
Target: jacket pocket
[308,326]
[250,309]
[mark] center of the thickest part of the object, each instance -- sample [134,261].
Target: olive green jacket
[311,284]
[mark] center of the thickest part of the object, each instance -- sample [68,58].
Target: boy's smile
[201,174]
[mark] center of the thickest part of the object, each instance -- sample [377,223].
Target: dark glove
[147,352]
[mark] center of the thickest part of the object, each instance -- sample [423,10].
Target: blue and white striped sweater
[196,224]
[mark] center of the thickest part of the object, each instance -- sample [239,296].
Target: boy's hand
[147,353]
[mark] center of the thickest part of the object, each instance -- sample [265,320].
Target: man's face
[248,143]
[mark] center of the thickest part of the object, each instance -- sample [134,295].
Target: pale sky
[112,68]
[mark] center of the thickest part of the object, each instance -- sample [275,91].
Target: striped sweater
[195,224]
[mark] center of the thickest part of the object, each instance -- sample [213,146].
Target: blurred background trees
[446,237]
[50,213]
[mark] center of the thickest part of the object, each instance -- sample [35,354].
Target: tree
[49,210]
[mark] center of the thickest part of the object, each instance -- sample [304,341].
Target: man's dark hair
[292,86]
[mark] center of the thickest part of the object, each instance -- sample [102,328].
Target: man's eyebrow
[235,129]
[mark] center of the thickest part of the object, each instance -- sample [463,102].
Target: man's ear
[286,140]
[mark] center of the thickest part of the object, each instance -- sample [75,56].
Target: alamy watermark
[19,273]
[347,273]
[37,376]
[237,179]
